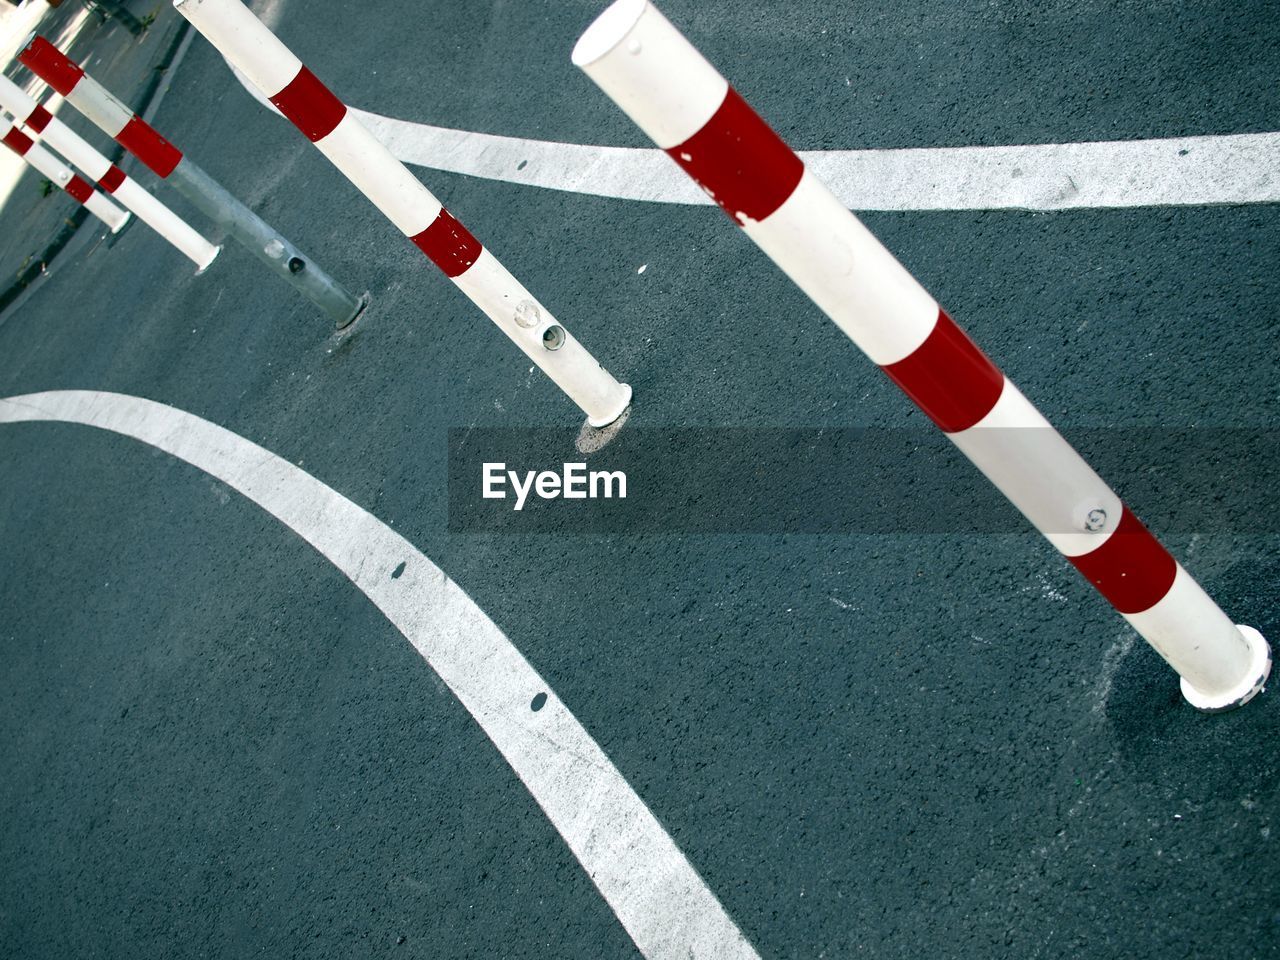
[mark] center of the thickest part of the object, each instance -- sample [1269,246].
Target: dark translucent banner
[851,481]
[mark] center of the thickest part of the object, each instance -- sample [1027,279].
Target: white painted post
[107,175]
[325,120]
[683,103]
[58,172]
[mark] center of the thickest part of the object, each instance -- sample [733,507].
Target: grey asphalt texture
[893,746]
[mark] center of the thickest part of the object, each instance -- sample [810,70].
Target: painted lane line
[652,888]
[1165,172]
[1186,171]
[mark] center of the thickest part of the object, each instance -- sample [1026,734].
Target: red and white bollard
[93,100]
[325,120]
[59,173]
[683,103]
[108,176]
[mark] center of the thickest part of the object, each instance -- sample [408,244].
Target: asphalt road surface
[867,744]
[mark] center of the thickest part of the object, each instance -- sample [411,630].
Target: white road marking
[1183,171]
[1238,168]
[654,891]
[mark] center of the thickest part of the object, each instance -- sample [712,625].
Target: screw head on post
[1090,517]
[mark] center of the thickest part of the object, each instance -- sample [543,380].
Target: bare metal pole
[252,232]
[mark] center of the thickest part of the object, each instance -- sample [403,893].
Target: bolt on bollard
[166,161]
[325,120]
[58,172]
[659,79]
[57,135]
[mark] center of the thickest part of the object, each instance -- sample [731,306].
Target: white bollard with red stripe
[683,103]
[325,120]
[108,176]
[59,173]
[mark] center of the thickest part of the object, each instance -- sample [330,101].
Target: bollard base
[1250,687]
[208,263]
[115,235]
[607,419]
[361,303]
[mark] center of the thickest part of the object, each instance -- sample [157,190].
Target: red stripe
[112,179]
[449,244]
[949,378]
[17,141]
[51,65]
[740,161]
[1132,569]
[39,119]
[158,154]
[310,105]
[80,189]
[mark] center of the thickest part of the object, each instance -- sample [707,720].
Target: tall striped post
[169,163]
[58,172]
[108,176]
[679,99]
[325,120]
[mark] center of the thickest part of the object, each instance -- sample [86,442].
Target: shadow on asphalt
[1161,741]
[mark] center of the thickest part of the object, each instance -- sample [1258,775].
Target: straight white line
[1237,168]
[654,891]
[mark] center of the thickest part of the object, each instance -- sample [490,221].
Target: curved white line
[655,892]
[1184,171]
[1242,168]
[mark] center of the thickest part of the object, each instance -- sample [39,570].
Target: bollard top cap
[607,31]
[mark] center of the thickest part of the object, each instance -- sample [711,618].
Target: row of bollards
[325,120]
[59,173]
[166,161]
[689,109]
[110,178]
[368,164]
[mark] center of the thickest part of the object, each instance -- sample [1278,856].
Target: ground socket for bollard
[1248,688]
[361,303]
[208,263]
